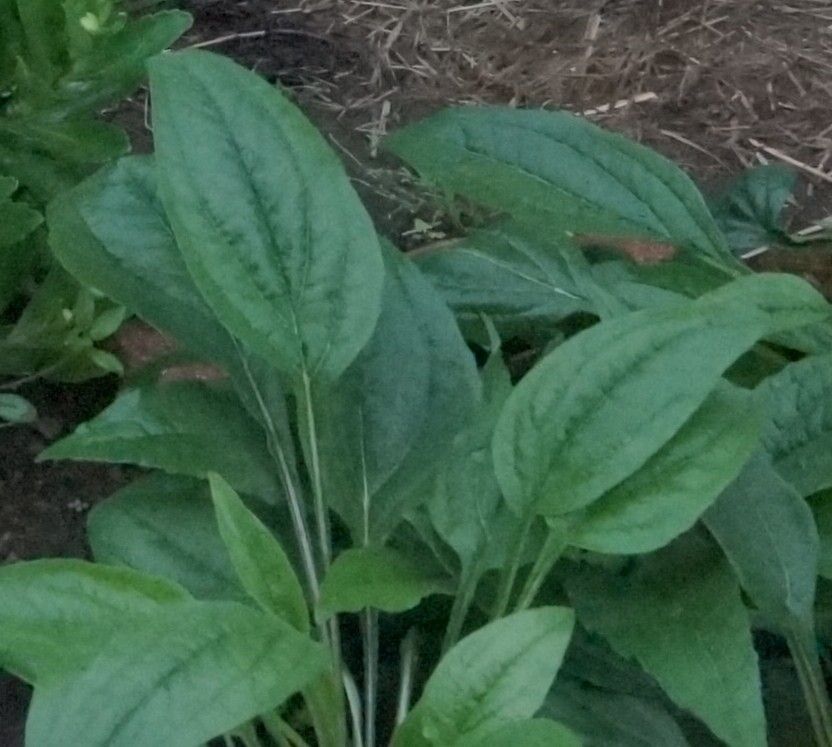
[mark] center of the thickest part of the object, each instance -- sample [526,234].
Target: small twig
[228,37]
[780,156]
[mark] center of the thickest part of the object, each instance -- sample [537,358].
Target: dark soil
[722,72]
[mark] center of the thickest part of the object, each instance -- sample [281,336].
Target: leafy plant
[583,537]
[61,62]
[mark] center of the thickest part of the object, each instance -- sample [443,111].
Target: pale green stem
[461,606]
[321,515]
[549,555]
[369,629]
[510,572]
[354,701]
[407,671]
[281,732]
[804,653]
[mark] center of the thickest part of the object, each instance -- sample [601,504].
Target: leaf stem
[407,670]
[549,555]
[281,731]
[354,700]
[295,508]
[804,653]
[321,515]
[461,606]
[510,572]
[369,629]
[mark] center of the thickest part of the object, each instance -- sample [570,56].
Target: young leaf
[748,212]
[385,425]
[16,409]
[769,536]
[179,677]
[798,431]
[54,614]
[183,428]
[284,252]
[615,394]
[164,525]
[375,577]
[262,566]
[537,732]
[680,615]
[558,171]
[498,674]
[677,484]
[17,221]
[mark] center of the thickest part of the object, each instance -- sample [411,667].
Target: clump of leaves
[61,62]
[573,557]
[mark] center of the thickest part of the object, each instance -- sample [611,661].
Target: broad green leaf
[42,25]
[769,536]
[677,484]
[179,677]
[615,394]
[55,614]
[467,508]
[798,432]
[822,509]
[537,732]
[386,424]
[186,428]
[164,525]
[83,140]
[376,577]
[603,717]
[263,568]
[498,674]
[520,283]
[679,613]
[748,211]
[111,233]
[558,171]
[16,409]
[17,221]
[284,254]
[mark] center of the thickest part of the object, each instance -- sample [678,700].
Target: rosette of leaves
[61,63]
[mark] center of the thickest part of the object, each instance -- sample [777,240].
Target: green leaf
[679,613]
[186,428]
[82,141]
[769,536]
[263,568]
[520,283]
[179,677]
[386,424]
[111,233]
[646,372]
[498,674]
[798,431]
[604,717]
[284,254]
[42,24]
[677,484]
[54,614]
[537,732]
[822,509]
[376,577]
[466,508]
[16,409]
[749,211]
[17,221]
[164,525]
[559,172]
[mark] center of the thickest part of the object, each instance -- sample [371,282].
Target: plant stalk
[549,555]
[354,700]
[369,629]
[804,654]
[281,732]
[407,669]
[461,606]
[510,572]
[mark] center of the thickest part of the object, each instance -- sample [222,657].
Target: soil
[717,85]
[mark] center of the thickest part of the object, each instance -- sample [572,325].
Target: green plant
[61,62]
[361,467]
